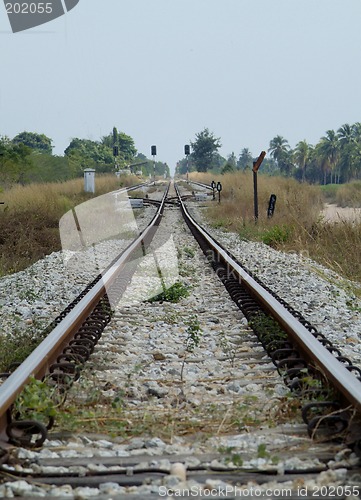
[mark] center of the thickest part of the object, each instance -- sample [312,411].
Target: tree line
[336,158]
[28,157]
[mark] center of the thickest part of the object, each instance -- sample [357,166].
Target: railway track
[189,391]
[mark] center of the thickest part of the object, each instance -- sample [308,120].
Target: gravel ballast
[141,356]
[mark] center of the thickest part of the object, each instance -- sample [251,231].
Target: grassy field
[297,224]
[29,218]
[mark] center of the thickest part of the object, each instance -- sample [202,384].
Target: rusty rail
[320,355]
[38,362]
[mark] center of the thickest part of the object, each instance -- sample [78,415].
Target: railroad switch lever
[256,165]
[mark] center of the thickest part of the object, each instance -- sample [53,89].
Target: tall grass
[343,195]
[30,216]
[297,224]
[297,205]
[349,195]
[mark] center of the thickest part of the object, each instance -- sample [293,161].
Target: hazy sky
[162,70]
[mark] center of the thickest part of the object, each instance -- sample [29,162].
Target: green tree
[204,150]
[181,168]
[125,143]
[245,159]
[328,154]
[347,142]
[15,162]
[302,155]
[356,131]
[39,142]
[280,152]
[52,168]
[232,160]
[84,153]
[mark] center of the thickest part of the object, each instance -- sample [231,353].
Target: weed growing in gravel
[170,318]
[231,457]
[17,347]
[173,294]
[189,252]
[28,295]
[262,451]
[227,348]
[186,270]
[37,402]
[267,329]
[194,335]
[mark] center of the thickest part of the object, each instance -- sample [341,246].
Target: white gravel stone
[324,298]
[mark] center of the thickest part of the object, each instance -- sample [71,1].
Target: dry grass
[296,224]
[30,217]
[343,195]
[297,205]
[349,195]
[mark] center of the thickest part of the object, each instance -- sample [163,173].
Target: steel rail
[37,363]
[131,188]
[344,381]
[201,184]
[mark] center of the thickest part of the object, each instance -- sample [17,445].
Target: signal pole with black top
[256,165]
[153,151]
[187,152]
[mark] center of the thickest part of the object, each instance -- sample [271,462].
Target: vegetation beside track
[297,224]
[29,218]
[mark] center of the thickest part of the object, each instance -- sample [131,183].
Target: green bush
[276,235]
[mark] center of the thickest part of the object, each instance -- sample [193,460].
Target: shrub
[276,235]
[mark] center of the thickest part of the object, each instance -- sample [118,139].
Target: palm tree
[345,134]
[328,150]
[279,149]
[347,144]
[302,155]
[356,131]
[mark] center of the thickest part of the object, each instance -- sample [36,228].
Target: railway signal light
[153,151]
[115,151]
[187,153]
